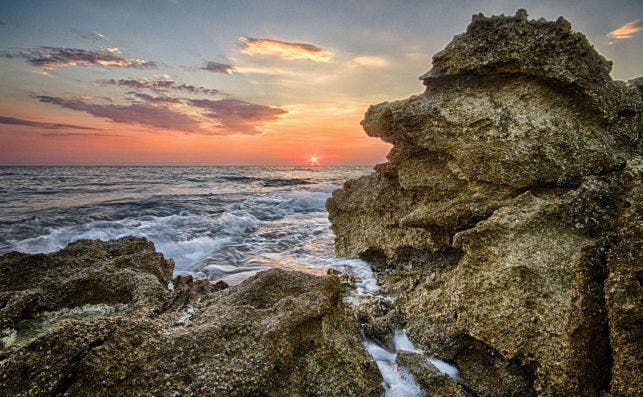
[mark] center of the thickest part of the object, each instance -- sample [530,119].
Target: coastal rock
[623,291]
[429,377]
[104,318]
[507,220]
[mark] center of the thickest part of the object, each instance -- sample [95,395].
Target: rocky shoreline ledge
[106,318]
[505,231]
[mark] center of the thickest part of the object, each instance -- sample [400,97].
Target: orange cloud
[626,31]
[284,49]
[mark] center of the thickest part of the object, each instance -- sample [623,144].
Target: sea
[216,223]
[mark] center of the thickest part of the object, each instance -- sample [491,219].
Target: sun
[314,160]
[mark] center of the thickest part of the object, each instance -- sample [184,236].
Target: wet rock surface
[507,221]
[432,380]
[105,318]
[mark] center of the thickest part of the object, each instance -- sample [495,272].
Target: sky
[178,82]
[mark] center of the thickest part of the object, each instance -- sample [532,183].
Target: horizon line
[187,165]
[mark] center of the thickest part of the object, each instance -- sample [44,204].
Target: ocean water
[216,223]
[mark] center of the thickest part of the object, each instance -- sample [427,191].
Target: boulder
[104,318]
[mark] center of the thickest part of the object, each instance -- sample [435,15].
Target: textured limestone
[507,220]
[623,290]
[97,318]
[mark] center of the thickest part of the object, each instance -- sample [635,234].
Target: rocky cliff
[105,318]
[507,222]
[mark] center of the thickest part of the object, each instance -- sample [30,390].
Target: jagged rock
[507,220]
[98,318]
[125,272]
[378,319]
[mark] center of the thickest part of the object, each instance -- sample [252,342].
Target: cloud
[135,113]
[219,68]
[238,116]
[53,57]
[89,35]
[368,61]
[162,83]
[197,90]
[626,31]
[284,49]
[155,84]
[39,124]
[269,70]
[67,134]
[159,100]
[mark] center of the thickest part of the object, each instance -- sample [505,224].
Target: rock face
[507,222]
[98,318]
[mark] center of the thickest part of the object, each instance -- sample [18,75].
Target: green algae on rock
[507,220]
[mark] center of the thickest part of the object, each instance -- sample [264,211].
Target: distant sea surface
[214,222]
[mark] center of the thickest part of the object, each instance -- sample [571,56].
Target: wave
[250,235]
[267,182]
[275,182]
[239,178]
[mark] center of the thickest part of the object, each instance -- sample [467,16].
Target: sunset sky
[173,82]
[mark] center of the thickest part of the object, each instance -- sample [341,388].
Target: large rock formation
[99,318]
[507,221]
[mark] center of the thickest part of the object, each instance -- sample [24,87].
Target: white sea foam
[243,235]
[397,380]
[446,368]
[401,342]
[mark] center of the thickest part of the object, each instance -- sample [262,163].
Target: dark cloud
[53,57]
[231,116]
[159,100]
[238,116]
[135,113]
[162,84]
[219,68]
[144,83]
[3,23]
[198,90]
[39,124]
[66,134]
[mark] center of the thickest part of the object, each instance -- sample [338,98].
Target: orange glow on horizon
[27,146]
[306,136]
